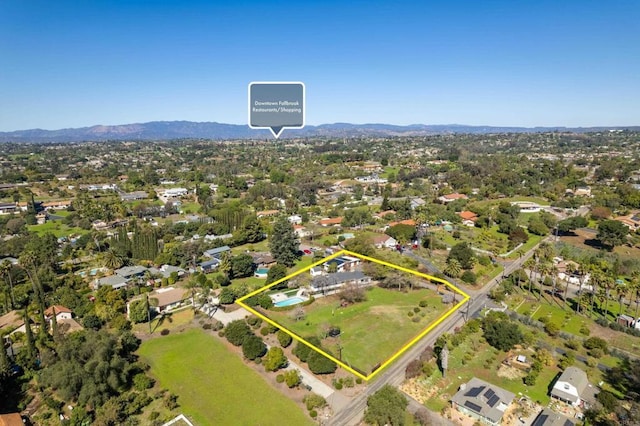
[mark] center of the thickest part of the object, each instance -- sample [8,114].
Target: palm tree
[28,260]
[113,260]
[635,289]
[544,268]
[453,268]
[622,292]
[609,284]
[583,270]
[597,278]
[6,270]
[530,264]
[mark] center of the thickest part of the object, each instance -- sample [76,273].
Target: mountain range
[166,130]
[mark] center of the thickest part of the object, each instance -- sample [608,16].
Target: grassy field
[371,331]
[170,321]
[57,228]
[213,384]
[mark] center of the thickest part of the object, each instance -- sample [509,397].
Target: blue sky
[491,62]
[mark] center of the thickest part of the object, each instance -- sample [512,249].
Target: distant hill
[163,130]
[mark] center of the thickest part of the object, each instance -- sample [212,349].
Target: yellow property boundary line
[465,298]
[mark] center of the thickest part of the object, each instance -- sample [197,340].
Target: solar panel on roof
[568,423]
[472,406]
[489,394]
[473,392]
[493,400]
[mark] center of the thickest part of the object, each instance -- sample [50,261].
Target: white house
[61,313]
[295,219]
[571,386]
[385,241]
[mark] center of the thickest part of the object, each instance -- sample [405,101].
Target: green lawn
[170,321]
[57,228]
[373,330]
[213,385]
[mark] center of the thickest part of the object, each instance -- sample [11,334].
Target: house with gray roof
[217,252]
[115,281]
[331,283]
[550,418]
[482,401]
[209,265]
[573,387]
[130,272]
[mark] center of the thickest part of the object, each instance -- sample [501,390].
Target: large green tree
[241,266]
[283,243]
[253,347]
[236,331]
[386,407]
[501,333]
[612,233]
[320,364]
[462,253]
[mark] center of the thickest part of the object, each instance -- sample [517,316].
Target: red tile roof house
[61,312]
[468,218]
[333,221]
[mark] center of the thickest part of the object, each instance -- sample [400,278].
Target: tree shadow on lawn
[161,320]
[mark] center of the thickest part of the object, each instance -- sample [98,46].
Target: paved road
[394,374]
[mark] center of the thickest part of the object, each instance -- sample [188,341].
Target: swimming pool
[288,302]
[261,272]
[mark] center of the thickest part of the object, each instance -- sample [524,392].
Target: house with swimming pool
[321,285]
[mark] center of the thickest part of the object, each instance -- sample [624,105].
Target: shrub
[171,401]
[413,369]
[551,328]
[284,339]
[313,414]
[236,332]
[275,359]
[596,353]
[338,385]
[292,378]
[280,378]
[469,277]
[264,331]
[572,344]
[530,379]
[313,400]
[358,380]
[595,342]
[423,304]
[428,369]
[319,364]
[141,382]
[410,313]
[164,332]
[415,319]
[348,382]
[253,347]
[254,321]
[416,309]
